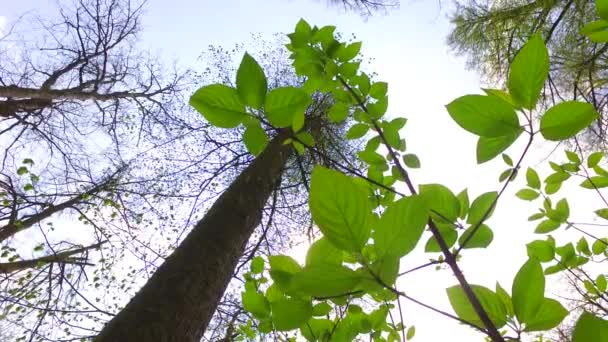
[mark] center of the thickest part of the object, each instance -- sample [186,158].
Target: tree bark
[178,301]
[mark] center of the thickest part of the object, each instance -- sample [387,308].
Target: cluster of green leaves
[368,227]
[597,30]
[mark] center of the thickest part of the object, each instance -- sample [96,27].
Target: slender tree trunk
[178,301]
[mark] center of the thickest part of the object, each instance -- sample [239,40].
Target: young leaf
[401,226]
[255,139]
[257,265]
[548,316]
[463,199]
[590,328]
[347,52]
[219,104]
[489,147]
[540,250]
[325,280]
[482,238]
[528,291]
[583,246]
[595,182]
[489,301]
[485,116]
[251,83]
[594,159]
[357,131]
[289,314]
[599,246]
[283,103]
[566,119]
[411,331]
[378,90]
[411,161]
[528,72]
[546,226]
[340,208]
[440,199]
[603,213]
[532,178]
[255,303]
[505,299]
[561,212]
[323,252]
[480,206]
[507,159]
[527,194]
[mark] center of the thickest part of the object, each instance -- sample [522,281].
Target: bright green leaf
[532,178]
[289,314]
[255,303]
[411,161]
[528,72]
[485,116]
[489,147]
[488,299]
[325,280]
[505,299]
[401,226]
[463,199]
[566,119]
[255,139]
[357,131]
[590,328]
[257,265]
[482,207]
[283,103]
[282,269]
[481,239]
[378,90]
[527,194]
[340,208]
[594,159]
[599,246]
[541,250]
[548,316]
[440,199]
[595,182]
[322,251]
[251,82]
[219,104]
[546,226]
[528,291]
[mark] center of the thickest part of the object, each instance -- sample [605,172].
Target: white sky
[409,52]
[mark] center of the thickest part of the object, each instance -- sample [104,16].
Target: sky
[407,48]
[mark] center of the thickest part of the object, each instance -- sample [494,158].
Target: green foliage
[566,119]
[219,104]
[485,116]
[528,291]
[489,300]
[283,103]
[251,83]
[590,328]
[255,138]
[528,72]
[325,280]
[490,147]
[342,214]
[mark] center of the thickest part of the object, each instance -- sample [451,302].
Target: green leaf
[257,265]
[387,269]
[440,199]
[594,159]
[322,251]
[347,52]
[315,329]
[255,139]
[503,95]
[603,213]
[482,238]
[561,212]
[325,280]
[303,28]
[532,178]
[411,161]
[283,103]
[505,299]
[489,147]
[527,194]
[593,27]
[256,303]
[378,108]
[583,246]
[289,314]
[251,83]
[546,226]
[590,328]
[340,208]
[463,199]
[482,205]
[282,269]
[449,236]
[357,131]
[378,90]
[321,309]
[485,116]
[528,72]
[541,250]
[528,291]
[219,104]
[401,226]
[599,246]
[338,112]
[549,315]
[566,119]
[411,331]
[600,282]
[601,7]
[595,182]
[488,299]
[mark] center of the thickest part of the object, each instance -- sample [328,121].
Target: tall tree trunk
[178,301]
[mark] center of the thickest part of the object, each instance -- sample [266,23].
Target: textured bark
[178,301]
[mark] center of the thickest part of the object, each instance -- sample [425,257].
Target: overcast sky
[408,49]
